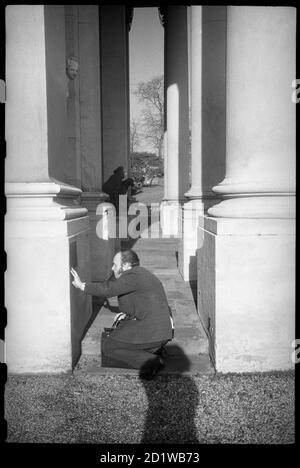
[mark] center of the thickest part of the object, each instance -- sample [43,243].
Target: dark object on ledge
[106,361]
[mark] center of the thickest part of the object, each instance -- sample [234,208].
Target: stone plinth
[246,287]
[188,243]
[46,232]
[170,218]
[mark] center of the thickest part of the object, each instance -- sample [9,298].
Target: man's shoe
[150,370]
[161,352]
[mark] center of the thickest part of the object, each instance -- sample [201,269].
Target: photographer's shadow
[172,402]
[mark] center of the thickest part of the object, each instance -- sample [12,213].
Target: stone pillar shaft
[90,100]
[260,137]
[32,139]
[73,159]
[92,145]
[196,101]
[208,126]
[177,113]
[114,88]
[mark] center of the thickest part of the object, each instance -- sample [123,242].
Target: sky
[146,55]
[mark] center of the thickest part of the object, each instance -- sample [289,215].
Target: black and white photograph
[149,161]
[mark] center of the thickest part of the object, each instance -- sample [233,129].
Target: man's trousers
[134,355]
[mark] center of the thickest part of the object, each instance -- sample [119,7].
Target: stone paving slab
[200,364]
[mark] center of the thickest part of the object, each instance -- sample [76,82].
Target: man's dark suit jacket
[141,297]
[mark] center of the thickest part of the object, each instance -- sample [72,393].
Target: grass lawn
[182,409]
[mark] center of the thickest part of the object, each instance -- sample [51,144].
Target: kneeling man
[148,324]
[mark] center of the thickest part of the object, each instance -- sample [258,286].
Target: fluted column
[260,116]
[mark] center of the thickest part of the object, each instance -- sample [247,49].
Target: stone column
[102,248]
[260,162]
[73,160]
[46,228]
[114,87]
[208,125]
[246,264]
[177,113]
[195,60]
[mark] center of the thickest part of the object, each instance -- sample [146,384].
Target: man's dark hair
[119,170]
[129,256]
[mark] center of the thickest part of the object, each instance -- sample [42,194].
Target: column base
[187,245]
[246,287]
[170,218]
[190,215]
[46,233]
[272,206]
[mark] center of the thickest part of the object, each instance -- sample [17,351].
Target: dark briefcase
[107,361]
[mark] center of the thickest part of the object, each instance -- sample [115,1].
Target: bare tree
[134,136]
[151,93]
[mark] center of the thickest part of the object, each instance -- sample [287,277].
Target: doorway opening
[146,71]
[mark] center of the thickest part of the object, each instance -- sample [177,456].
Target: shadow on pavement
[172,403]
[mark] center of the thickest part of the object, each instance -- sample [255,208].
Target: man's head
[123,261]
[120,172]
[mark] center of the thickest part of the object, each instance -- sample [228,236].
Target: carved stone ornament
[72,68]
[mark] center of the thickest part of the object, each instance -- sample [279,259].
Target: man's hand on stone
[77,281]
